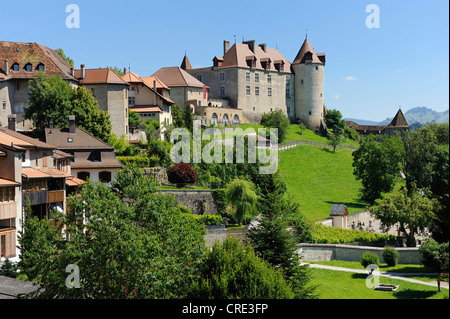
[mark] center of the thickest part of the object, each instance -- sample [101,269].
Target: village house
[20,62]
[398,124]
[92,158]
[31,173]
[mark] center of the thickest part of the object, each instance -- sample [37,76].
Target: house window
[256,77]
[28,67]
[222,90]
[104,177]
[269,91]
[222,76]
[15,67]
[256,90]
[247,90]
[84,175]
[269,78]
[7,194]
[40,67]
[131,101]
[247,76]
[96,156]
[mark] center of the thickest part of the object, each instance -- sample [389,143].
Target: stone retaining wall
[198,201]
[327,252]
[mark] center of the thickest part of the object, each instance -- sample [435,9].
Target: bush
[140,161]
[209,219]
[182,173]
[233,271]
[9,269]
[321,234]
[368,258]
[220,198]
[390,256]
[435,255]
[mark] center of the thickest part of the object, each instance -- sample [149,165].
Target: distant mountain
[422,115]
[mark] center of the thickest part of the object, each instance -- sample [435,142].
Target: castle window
[4,105]
[256,77]
[28,67]
[317,68]
[288,92]
[269,78]
[199,77]
[309,112]
[222,90]
[288,110]
[301,81]
[247,90]
[269,91]
[247,76]
[256,90]
[222,76]
[254,109]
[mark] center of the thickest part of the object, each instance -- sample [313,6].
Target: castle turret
[308,68]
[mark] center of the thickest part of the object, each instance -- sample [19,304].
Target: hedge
[140,161]
[332,235]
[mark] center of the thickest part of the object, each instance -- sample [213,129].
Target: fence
[291,144]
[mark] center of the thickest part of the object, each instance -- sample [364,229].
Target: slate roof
[80,139]
[10,287]
[399,120]
[185,64]
[34,53]
[338,210]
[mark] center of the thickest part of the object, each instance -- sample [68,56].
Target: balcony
[8,210]
[55,196]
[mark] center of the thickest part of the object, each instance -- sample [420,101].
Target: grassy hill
[317,178]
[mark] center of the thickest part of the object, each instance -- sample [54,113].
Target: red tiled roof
[307,47]
[146,109]
[7,182]
[175,76]
[73,181]
[99,76]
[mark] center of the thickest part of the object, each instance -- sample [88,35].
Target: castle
[255,79]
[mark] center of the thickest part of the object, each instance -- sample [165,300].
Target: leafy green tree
[334,121]
[436,256]
[134,119]
[52,100]
[378,166]
[116,70]
[233,271]
[65,58]
[177,115]
[334,139]
[241,195]
[88,115]
[413,212]
[188,118]
[46,92]
[279,120]
[128,241]
[273,242]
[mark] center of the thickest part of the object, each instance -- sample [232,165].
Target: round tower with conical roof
[308,68]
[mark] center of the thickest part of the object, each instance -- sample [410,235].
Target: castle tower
[308,68]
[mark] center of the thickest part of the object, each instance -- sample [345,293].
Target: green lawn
[295,134]
[400,268]
[345,285]
[316,178]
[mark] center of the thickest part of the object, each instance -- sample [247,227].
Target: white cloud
[337,97]
[350,78]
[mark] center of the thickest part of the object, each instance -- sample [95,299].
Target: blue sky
[369,74]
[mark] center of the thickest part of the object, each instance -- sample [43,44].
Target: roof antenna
[235,39]
[306,33]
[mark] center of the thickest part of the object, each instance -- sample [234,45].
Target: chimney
[263,46]
[12,119]
[226,46]
[251,45]
[72,73]
[6,68]
[83,72]
[154,88]
[124,70]
[72,124]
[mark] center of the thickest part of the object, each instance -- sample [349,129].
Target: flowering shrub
[182,173]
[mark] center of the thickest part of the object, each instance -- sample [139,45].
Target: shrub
[368,258]
[220,198]
[435,255]
[390,256]
[182,173]
[209,219]
[233,271]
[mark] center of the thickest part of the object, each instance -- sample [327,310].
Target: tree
[134,119]
[241,195]
[177,115]
[233,271]
[276,119]
[188,118]
[436,256]
[128,241]
[377,165]
[116,70]
[45,92]
[413,212]
[181,174]
[65,58]
[65,101]
[88,115]
[334,139]
[334,121]
[273,242]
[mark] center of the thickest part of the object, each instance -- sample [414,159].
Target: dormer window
[40,67]
[279,65]
[265,62]
[96,156]
[251,61]
[28,67]
[15,67]
[308,57]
